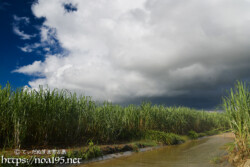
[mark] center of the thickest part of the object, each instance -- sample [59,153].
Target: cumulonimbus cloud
[144,48]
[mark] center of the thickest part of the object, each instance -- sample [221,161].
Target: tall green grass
[59,118]
[237,105]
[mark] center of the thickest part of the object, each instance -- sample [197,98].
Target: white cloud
[26,49]
[120,49]
[16,28]
[25,20]
[35,68]
[20,33]
[30,48]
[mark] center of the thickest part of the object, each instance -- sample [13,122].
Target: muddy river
[195,153]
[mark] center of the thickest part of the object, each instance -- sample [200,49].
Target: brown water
[196,153]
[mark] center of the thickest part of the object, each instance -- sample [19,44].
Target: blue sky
[11,55]
[169,52]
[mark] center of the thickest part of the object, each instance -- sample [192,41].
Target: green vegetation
[165,138]
[216,160]
[92,151]
[229,146]
[237,106]
[145,143]
[58,118]
[193,135]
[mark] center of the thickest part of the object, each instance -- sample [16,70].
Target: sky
[181,52]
